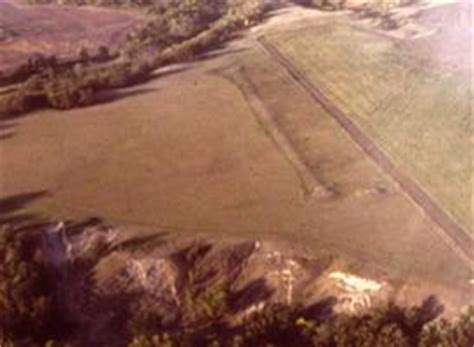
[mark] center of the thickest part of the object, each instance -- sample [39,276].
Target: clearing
[234,147]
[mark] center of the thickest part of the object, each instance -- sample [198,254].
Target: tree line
[176,32]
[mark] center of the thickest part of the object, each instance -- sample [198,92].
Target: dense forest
[34,293]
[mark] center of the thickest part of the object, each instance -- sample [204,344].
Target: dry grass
[418,112]
[187,153]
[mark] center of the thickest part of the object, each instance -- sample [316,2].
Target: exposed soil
[104,272]
[62,31]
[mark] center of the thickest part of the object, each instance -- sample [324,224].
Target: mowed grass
[416,110]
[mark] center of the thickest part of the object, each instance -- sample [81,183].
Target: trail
[311,185]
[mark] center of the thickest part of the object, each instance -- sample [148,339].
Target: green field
[416,110]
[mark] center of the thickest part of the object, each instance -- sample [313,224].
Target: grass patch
[416,111]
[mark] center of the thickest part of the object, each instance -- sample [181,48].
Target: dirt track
[310,183]
[455,234]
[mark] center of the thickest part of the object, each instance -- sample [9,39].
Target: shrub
[64,92]
[14,103]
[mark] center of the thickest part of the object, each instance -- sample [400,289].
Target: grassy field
[415,109]
[188,153]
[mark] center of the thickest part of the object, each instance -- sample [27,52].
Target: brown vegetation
[146,50]
[27,31]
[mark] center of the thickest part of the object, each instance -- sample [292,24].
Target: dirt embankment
[184,281]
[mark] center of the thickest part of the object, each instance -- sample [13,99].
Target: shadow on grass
[168,71]
[110,96]
[7,126]
[7,136]
[13,203]
[7,129]
[12,210]
[323,309]
[219,52]
[253,293]
[142,242]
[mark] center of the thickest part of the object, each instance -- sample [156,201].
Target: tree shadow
[6,117]
[219,52]
[253,293]
[167,71]
[277,10]
[113,95]
[109,96]
[75,228]
[320,310]
[6,129]
[7,126]
[14,216]
[12,203]
[17,218]
[143,243]
[430,309]
[6,136]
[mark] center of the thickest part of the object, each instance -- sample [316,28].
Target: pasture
[413,108]
[232,146]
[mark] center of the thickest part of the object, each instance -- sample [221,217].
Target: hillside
[250,162]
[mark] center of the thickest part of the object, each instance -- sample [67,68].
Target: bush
[14,103]
[64,92]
